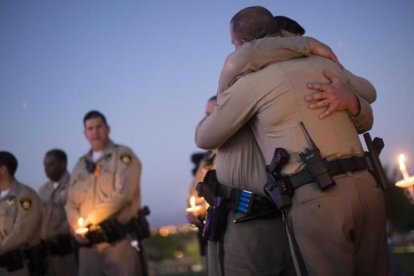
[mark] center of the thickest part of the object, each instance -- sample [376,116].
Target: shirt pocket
[106,185]
[7,217]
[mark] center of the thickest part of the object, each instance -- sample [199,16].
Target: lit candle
[82,230]
[407,181]
[195,209]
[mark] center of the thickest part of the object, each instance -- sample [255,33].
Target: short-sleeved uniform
[20,221]
[55,226]
[340,231]
[112,190]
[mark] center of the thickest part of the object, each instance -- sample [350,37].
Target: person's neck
[5,183]
[101,149]
[57,179]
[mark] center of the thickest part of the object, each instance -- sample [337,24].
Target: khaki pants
[257,247]
[62,265]
[341,231]
[119,259]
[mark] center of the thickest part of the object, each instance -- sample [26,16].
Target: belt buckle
[245,202]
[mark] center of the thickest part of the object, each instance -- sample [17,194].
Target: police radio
[316,165]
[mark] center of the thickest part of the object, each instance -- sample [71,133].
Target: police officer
[20,222]
[336,232]
[104,195]
[56,235]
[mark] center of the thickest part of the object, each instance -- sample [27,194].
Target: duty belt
[336,167]
[251,204]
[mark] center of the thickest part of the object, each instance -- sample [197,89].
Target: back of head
[288,24]
[253,23]
[9,161]
[94,114]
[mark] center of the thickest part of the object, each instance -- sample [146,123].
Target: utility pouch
[216,219]
[208,188]
[113,230]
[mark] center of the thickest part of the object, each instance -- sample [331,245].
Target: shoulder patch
[26,203]
[126,158]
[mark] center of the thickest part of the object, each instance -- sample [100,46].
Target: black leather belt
[336,167]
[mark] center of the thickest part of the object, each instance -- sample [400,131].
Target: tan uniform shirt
[112,190]
[271,103]
[20,218]
[254,55]
[54,200]
[276,123]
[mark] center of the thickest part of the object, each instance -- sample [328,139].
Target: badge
[10,200]
[26,203]
[126,158]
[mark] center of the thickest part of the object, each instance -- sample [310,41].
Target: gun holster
[216,220]
[208,188]
[139,226]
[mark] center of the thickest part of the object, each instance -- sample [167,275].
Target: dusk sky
[150,66]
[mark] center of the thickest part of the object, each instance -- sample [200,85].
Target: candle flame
[193,201]
[402,161]
[81,221]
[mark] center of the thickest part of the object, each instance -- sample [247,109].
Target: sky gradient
[150,66]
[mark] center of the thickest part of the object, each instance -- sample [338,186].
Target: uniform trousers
[21,272]
[62,265]
[256,247]
[341,231]
[118,259]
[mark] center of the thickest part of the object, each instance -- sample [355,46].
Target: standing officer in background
[336,232]
[204,165]
[55,234]
[20,222]
[103,201]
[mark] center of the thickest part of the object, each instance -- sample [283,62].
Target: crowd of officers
[89,222]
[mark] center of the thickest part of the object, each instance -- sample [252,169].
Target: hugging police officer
[103,199]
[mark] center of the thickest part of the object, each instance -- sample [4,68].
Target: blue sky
[150,66]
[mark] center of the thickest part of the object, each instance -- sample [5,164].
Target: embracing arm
[338,96]
[235,107]
[256,54]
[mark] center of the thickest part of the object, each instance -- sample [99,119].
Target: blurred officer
[55,234]
[20,222]
[205,164]
[103,198]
